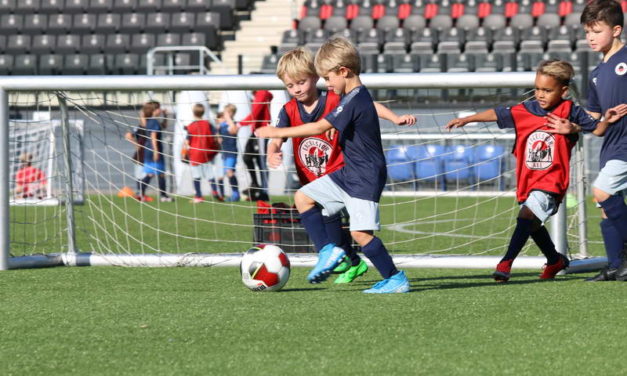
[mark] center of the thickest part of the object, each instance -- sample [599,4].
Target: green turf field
[410,225]
[202,321]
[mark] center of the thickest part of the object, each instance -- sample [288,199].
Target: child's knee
[362,237]
[303,202]
[600,195]
[526,213]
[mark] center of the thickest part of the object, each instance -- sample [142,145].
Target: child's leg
[233,181]
[197,187]
[162,185]
[333,225]
[220,183]
[543,240]
[311,219]
[144,184]
[376,252]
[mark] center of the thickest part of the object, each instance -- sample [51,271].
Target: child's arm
[155,146]
[275,156]
[309,129]
[233,128]
[387,114]
[565,126]
[612,115]
[488,115]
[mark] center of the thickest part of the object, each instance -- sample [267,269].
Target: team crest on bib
[315,153]
[621,69]
[539,150]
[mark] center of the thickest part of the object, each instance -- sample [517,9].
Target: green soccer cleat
[352,273]
[343,267]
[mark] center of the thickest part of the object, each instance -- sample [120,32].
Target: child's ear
[616,31]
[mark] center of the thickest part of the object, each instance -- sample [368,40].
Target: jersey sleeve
[593,98]
[342,116]
[579,116]
[504,117]
[283,121]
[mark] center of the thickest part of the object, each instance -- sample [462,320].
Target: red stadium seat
[457,10]
[538,8]
[511,9]
[352,10]
[326,11]
[624,4]
[303,12]
[431,10]
[404,10]
[565,8]
[378,11]
[484,9]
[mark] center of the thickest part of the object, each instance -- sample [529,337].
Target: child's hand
[560,125]
[330,133]
[155,157]
[266,132]
[275,159]
[455,123]
[615,113]
[405,120]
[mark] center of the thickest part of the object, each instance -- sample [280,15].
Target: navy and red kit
[202,145]
[542,158]
[314,156]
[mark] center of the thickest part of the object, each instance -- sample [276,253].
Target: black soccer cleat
[606,274]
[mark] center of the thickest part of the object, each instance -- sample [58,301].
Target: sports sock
[145,182]
[616,211]
[221,186]
[197,187]
[233,182]
[519,238]
[214,188]
[543,240]
[337,236]
[139,186]
[313,223]
[613,243]
[161,181]
[381,259]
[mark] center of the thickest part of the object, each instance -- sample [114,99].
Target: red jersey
[202,143]
[315,156]
[542,158]
[30,179]
[260,110]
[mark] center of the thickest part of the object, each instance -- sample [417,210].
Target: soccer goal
[449,201]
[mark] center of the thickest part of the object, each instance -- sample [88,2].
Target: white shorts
[364,214]
[209,170]
[612,178]
[139,171]
[541,204]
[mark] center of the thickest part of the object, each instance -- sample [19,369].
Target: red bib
[542,158]
[202,143]
[315,156]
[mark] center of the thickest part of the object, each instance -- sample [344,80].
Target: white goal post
[59,85]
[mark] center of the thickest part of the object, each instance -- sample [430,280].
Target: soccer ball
[265,267]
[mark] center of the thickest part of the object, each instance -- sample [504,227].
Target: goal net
[449,200]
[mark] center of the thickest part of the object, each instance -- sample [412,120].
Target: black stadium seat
[124,6]
[51,6]
[92,43]
[97,64]
[76,6]
[133,22]
[50,64]
[84,23]
[141,43]
[35,23]
[193,39]
[335,24]
[198,6]
[6,64]
[117,43]
[149,5]
[182,22]
[157,22]
[126,64]
[75,64]
[18,44]
[100,6]
[7,6]
[109,23]
[26,6]
[225,9]
[173,5]
[59,23]
[24,64]
[69,43]
[11,24]
[168,39]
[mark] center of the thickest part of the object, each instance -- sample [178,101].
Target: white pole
[69,189]
[5,240]
[558,230]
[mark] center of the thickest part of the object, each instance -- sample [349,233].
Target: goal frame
[61,84]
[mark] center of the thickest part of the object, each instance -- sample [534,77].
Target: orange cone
[126,192]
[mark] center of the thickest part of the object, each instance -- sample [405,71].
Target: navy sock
[337,236]
[313,223]
[214,188]
[139,186]
[233,182]
[519,238]
[145,182]
[197,187]
[613,243]
[221,187]
[381,259]
[161,181]
[616,211]
[543,240]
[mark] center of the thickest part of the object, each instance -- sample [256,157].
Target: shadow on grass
[304,289]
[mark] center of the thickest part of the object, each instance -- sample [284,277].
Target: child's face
[335,81]
[302,88]
[549,91]
[600,36]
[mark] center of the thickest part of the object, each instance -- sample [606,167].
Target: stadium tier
[109,36]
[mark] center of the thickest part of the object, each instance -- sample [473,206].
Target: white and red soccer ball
[265,267]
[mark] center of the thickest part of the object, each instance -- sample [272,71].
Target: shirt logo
[539,150]
[594,81]
[621,69]
[338,110]
[314,153]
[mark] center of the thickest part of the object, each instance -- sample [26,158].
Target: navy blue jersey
[364,173]
[577,115]
[608,88]
[152,125]
[229,141]
[307,117]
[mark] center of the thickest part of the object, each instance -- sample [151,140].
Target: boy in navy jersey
[318,155]
[542,159]
[357,186]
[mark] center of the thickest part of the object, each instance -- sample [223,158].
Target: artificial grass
[201,321]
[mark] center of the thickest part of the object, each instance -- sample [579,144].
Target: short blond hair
[297,63]
[560,70]
[230,107]
[335,53]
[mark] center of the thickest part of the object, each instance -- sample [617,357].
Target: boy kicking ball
[357,186]
[542,159]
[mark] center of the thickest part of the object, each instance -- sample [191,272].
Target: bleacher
[447,35]
[108,36]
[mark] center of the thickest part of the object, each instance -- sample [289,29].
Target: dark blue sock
[616,211]
[161,182]
[613,243]
[221,186]
[233,182]
[197,187]
[214,188]
[139,186]
[313,223]
[519,238]
[380,258]
[543,240]
[145,182]
[337,236]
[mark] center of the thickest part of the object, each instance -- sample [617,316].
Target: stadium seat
[521,21]
[50,64]
[25,64]
[197,5]
[141,43]
[97,64]
[158,22]
[269,64]
[494,21]
[489,163]
[68,44]
[100,6]
[59,23]
[548,20]
[173,6]
[26,6]
[509,34]
[573,20]
[51,6]
[18,44]
[225,8]
[425,35]
[361,24]
[35,23]
[7,6]
[441,22]
[335,24]
[6,64]
[182,22]
[92,43]
[387,23]
[76,6]
[479,34]
[117,43]
[530,54]
[405,63]
[374,37]
[536,33]
[206,23]
[84,23]
[414,23]
[75,64]
[317,36]
[149,6]
[365,8]
[452,35]
[109,23]
[467,22]
[133,23]
[126,64]
[458,161]
[124,6]
[11,24]
[427,163]
[168,39]
[309,23]
[551,6]
[348,34]
[457,63]
[400,168]
[396,40]
[484,62]
[505,54]
[193,39]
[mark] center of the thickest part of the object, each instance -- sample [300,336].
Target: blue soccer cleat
[329,257]
[395,284]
